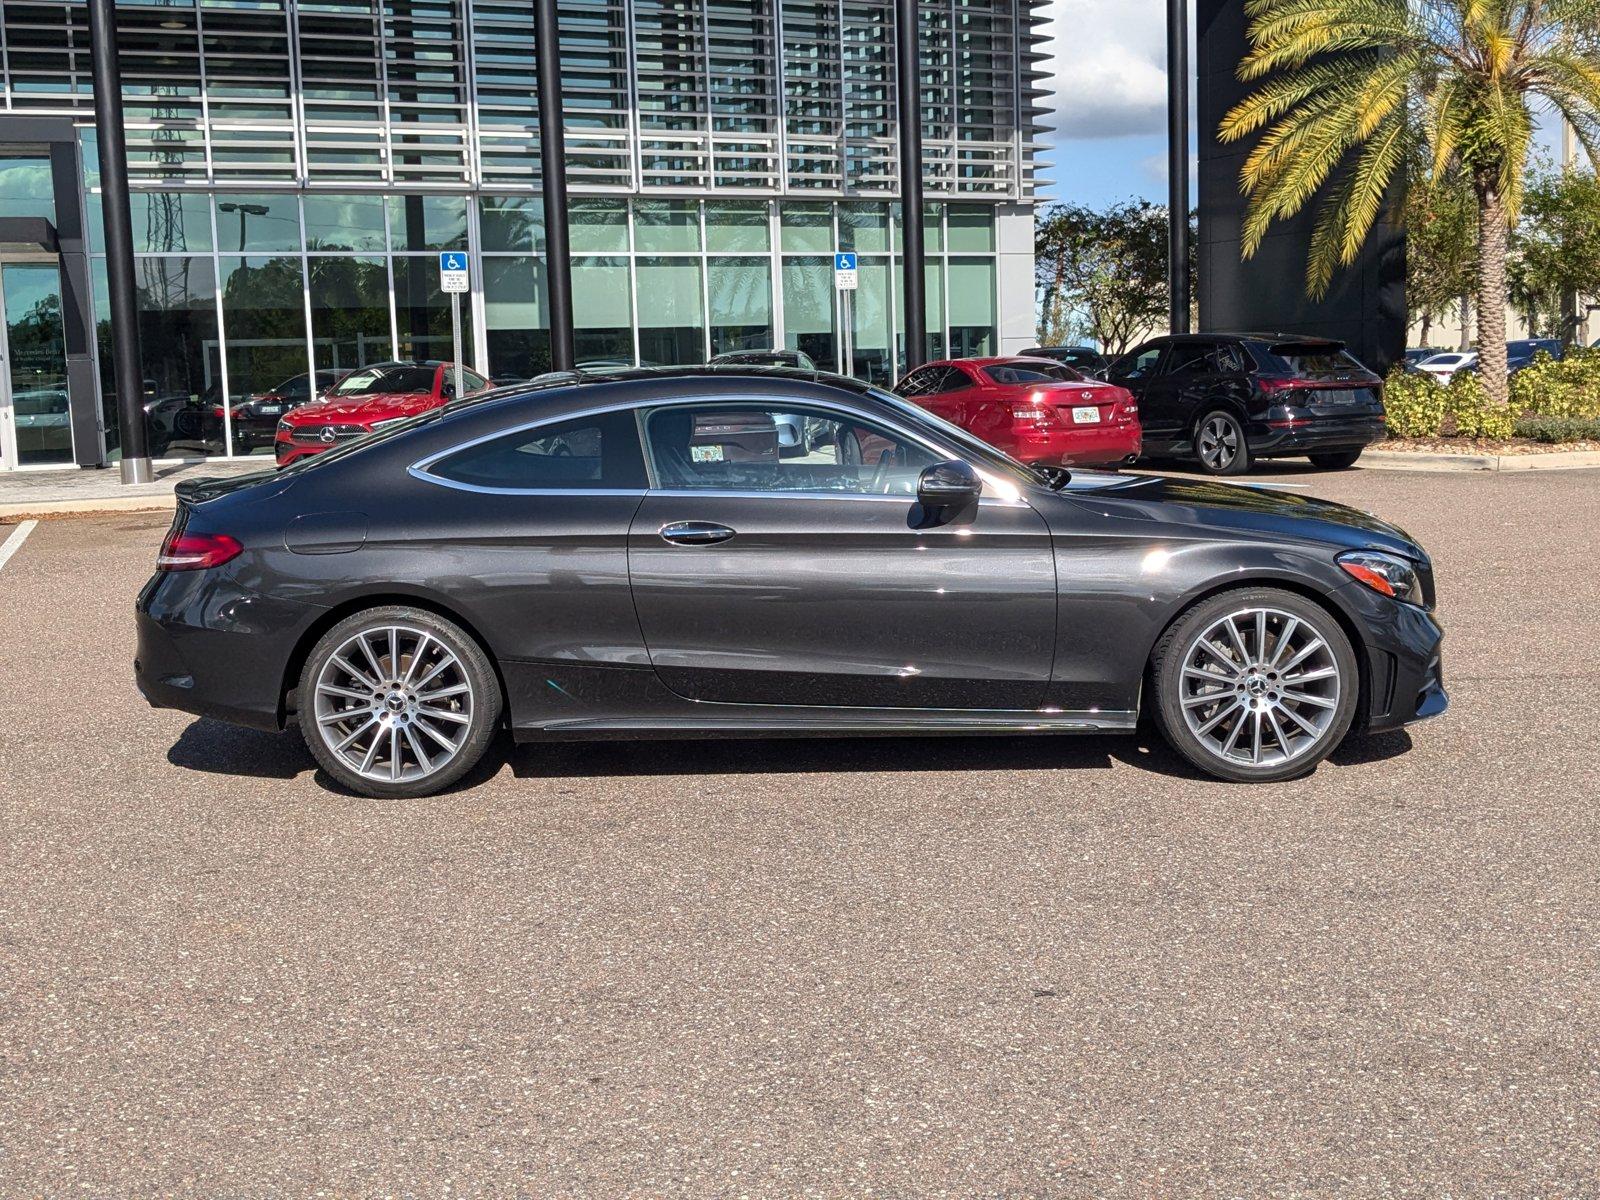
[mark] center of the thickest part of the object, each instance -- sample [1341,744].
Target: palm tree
[1351,86]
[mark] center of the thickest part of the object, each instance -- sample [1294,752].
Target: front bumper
[1405,666]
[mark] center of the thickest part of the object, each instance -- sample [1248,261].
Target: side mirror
[950,484]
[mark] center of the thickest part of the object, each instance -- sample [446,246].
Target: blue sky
[1109,76]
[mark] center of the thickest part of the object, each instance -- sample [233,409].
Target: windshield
[402,380]
[980,453]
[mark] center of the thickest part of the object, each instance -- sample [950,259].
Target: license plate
[1087,415]
[271,410]
[705,453]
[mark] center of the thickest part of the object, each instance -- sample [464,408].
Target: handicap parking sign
[844,271]
[453,271]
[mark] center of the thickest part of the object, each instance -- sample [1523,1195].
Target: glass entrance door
[35,425]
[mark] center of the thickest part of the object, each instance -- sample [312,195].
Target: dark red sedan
[359,405]
[1035,410]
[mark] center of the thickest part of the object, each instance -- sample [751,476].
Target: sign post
[844,283]
[453,281]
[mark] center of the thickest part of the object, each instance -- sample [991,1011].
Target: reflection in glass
[349,311]
[738,226]
[181,360]
[259,223]
[36,362]
[933,316]
[666,225]
[518,328]
[671,321]
[864,228]
[808,309]
[422,313]
[807,227]
[512,223]
[344,223]
[26,188]
[263,313]
[971,228]
[603,334]
[428,222]
[741,303]
[599,226]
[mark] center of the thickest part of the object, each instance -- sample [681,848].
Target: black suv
[1225,399]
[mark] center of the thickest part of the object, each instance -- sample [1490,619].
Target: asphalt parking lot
[993,967]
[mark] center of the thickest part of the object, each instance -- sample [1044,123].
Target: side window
[472,381]
[735,448]
[1141,364]
[599,451]
[955,379]
[1190,358]
[1229,360]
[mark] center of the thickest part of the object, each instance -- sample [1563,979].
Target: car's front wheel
[398,702]
[1219,444]
[1255,685]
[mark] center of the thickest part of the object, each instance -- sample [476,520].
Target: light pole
[908,88]
[1178,282]
[244,210]
[121,288]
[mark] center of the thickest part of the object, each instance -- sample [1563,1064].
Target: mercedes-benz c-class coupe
[613,558]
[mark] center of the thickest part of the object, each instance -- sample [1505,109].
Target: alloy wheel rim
[1260,687]
[1219,442]
[394,704]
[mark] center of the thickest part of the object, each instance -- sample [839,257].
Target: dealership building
[296,166]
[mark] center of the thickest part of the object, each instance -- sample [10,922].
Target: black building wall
[1365,306]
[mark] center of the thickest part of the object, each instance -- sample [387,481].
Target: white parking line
[14,543]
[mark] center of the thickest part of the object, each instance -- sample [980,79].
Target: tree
[1350,86]
[1555,249]
[1101,273]
[1441,244]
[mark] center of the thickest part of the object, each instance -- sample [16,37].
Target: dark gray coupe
[631,556]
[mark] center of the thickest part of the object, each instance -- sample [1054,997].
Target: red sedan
[1034,409]
[366,399]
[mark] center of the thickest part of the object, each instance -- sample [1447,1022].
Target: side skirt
[755,722]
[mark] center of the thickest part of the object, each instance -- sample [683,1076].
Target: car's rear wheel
[1335,460]
[398,702]
[1255,685]
[1219,444]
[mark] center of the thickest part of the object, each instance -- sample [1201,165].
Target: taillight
[196,551]
[1033,410]
[1287,385]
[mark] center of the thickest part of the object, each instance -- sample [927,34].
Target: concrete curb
[1404,460]
[65,508]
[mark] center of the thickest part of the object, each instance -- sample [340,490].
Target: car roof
[991,360]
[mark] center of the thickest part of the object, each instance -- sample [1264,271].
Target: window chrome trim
[421,469]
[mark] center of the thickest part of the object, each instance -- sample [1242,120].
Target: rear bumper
[1340,433]
[1083,445]
[209,648]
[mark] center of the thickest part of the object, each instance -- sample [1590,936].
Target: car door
[1138,371]
[822,581]
[1168,407]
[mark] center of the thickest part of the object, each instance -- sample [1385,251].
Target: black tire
[478,717]
[1336,460]
[1181,642]
[1219,444]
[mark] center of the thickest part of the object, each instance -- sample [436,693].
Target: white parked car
[1443,367]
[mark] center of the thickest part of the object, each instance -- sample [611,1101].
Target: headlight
[284,426]
[1385,573]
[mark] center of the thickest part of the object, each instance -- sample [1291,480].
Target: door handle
[695,533]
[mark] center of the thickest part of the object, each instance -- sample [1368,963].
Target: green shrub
[1415,403]
[1569,388]
[1559,429]
[1470,411]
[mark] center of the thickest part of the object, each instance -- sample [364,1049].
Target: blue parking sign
[453,272]
[844,262]
[452,260]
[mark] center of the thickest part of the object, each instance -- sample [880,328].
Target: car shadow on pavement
[221,749]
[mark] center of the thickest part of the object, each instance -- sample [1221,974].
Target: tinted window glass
[736,449]
[1031,373]
[1230,360]
[1310,362]
[1190,358]
[588,452]
[953,380]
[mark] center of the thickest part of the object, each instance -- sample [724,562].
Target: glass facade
[297,167]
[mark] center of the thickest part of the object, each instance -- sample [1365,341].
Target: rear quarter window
[582,454]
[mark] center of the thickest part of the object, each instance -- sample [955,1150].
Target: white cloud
[1107,68]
